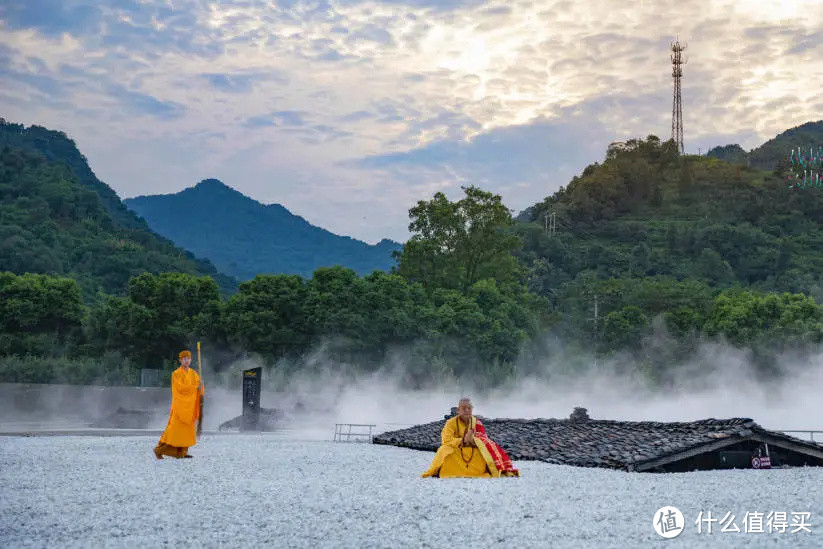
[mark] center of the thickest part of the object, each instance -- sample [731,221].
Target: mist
[720,381]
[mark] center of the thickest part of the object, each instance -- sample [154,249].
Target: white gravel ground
[269,490]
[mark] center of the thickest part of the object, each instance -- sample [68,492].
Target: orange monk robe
[452,459]
[179,435]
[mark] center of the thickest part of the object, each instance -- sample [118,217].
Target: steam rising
[719,382]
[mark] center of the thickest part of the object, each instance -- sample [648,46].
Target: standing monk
[466,451]
[186,390]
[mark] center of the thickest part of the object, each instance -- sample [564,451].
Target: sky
[348,112]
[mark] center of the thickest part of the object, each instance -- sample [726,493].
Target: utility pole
[550,222]
[677,106]
[596,319]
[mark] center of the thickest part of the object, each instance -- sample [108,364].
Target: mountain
[244,237]
[646,211]
[56,217]
[768,155]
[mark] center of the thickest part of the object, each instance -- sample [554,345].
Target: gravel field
[274,490]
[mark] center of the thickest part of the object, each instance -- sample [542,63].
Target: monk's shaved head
[464,409]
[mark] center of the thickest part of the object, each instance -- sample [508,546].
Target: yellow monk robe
[179,435]
[455,460]
[485,459]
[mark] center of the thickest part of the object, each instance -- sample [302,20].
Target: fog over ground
[720,382]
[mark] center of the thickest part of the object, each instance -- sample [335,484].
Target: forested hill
[56,146]
[56,217]
[647,211]
[245,238]
[768,155]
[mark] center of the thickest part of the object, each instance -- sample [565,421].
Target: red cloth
[501,459]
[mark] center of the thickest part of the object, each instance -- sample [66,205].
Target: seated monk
[186,390]
[466,451]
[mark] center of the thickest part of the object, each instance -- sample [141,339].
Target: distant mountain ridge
[56,217]
[245,238]
[767,155]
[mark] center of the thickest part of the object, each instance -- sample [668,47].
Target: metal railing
[348,432]
[811,433]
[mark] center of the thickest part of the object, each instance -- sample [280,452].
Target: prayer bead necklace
[464,459]
[471,455]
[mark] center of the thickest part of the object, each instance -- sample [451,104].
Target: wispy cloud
[277,118]
[144,104]
[339,107]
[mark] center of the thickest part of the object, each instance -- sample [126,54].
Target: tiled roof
[596,443]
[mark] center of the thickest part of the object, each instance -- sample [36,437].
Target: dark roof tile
[593,443]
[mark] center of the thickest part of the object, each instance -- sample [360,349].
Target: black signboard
[251,399]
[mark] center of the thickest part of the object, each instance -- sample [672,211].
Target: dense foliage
[456,244]
[648,212]
[358,321]
[654,254]
[248,238]
[657,238]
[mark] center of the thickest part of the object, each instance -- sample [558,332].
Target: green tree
[269,316]
[161,314]
[624,328]
[745,318]
[39,314]
[455,244]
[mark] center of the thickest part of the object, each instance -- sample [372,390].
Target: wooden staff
[199,373]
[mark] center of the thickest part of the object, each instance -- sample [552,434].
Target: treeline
[655,325]
[47,333]
[456,308]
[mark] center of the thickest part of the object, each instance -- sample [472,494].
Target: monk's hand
[469,438]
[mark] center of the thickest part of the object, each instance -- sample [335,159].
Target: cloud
[356,116]
[241,82]
[440,5]
[372,33]
[806,43]
[52,17]
[229,83]
[142,104]
[512,161]
[369,106]
[277,118]
[41,82]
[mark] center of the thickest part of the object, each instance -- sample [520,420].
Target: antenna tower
[677,106]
